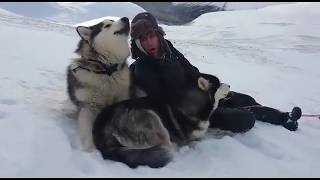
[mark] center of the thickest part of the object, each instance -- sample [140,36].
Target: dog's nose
[124,20]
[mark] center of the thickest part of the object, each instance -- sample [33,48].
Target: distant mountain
[169,13]
[178,13]
[248,5]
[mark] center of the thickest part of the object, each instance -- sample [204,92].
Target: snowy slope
[5,12]
[72,12]
[271,53]
[96,10]
[96,21]
[249,5]
[236,5]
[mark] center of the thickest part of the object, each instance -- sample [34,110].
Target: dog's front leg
[86,119]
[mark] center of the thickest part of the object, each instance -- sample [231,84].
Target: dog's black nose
[124,20]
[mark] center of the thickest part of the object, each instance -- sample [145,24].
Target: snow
[96,21]
[72,12]
[271,53]
[97,10]
[235,5]
[5,12]
[250,5]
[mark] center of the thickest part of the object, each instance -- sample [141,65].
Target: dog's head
[108,38]
[214,88]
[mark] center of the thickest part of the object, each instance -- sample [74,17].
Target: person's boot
[292,123]
[295,114]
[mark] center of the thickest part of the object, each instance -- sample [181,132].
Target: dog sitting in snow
[100,77]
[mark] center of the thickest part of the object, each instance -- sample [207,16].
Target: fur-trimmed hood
[144,23]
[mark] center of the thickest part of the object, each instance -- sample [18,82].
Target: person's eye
[143,39]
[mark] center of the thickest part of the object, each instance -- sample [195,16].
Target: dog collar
[100,68]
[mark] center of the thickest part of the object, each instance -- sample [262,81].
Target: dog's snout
[124,20]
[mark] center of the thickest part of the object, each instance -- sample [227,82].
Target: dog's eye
[108,25]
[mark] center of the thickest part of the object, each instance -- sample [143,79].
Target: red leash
[311,115]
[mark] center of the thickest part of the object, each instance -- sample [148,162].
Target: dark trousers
[238,113]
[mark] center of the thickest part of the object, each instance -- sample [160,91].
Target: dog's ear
[84,32]
[203,84]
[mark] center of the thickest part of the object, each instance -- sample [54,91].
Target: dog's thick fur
[100,77]
[141,131]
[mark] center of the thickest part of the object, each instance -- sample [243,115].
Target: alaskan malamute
[140,131]
[100,77]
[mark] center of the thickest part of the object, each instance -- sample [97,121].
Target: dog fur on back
[100,76]
[140,131]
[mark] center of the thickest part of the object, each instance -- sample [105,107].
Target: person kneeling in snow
[161,71]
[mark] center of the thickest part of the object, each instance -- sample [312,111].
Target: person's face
[150,43]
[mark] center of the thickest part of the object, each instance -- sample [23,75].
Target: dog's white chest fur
[102,89]
[198,134]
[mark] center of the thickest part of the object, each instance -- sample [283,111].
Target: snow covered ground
[71,12]
[271,53]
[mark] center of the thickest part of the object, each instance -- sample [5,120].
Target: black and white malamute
[140,131]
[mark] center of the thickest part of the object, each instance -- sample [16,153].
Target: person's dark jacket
[163,79]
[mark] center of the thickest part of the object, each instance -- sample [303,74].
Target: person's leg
[274,116]
[263,113]
[232,119]
[236,100]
